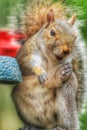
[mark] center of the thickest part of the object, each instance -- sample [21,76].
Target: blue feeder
[9,69]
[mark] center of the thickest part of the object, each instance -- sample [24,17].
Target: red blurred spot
[8,43]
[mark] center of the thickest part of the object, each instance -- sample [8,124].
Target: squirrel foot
[58,128]
[66,72]
[24,128]
[30,128]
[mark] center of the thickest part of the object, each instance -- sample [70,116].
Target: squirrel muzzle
[62,52]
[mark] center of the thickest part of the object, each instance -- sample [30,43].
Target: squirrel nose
[66,50]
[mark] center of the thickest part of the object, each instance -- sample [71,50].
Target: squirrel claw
[42,78]
[66,71]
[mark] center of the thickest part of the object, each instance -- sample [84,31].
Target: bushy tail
[29,18]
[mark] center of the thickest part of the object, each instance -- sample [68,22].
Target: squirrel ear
[50,16]
[72,19]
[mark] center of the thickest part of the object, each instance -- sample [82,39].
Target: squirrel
[51,92]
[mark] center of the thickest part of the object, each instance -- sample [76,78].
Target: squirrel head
[59,35]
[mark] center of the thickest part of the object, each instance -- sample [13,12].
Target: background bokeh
[9,119]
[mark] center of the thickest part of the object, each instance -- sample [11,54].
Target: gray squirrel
[51,93]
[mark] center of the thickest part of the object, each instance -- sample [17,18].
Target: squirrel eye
[52,32]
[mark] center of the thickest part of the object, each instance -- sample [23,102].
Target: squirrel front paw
[65,72]
[41,73]
[42,78]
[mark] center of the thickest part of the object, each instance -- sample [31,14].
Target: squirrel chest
[36,101]
[41,104]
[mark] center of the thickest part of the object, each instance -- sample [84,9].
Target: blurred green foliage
[8,116]
[5,9]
